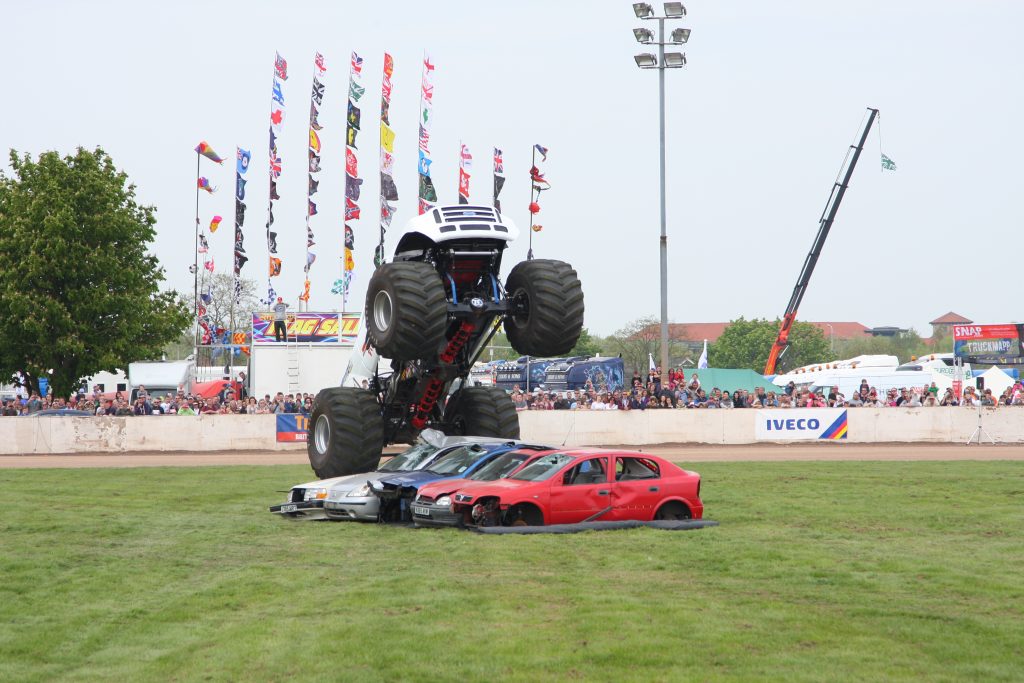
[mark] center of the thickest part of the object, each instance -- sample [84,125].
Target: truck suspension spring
[434,387]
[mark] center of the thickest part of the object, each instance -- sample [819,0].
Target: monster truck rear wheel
[406,313]
[546,301]
[346,432]
[482,411]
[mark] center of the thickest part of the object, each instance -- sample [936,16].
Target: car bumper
[308,509]
[435,515]
[358,509]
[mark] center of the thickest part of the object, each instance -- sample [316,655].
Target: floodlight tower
[663,60]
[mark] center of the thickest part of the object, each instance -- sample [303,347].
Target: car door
[581,491]
[637,488]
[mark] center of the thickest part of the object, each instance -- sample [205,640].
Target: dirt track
[687,453]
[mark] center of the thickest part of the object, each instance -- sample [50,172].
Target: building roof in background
[698,332]
[951,318]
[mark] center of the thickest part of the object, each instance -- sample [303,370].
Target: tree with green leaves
[78,290]
[747,343]
[587,345]
[639,341]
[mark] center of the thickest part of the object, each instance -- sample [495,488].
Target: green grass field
[819,571]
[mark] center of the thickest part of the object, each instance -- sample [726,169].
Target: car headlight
[443,501]
[315,494]
[361,492]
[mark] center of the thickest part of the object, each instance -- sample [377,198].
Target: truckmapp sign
[988,344]
[801,424]
[291,427]
[321,328]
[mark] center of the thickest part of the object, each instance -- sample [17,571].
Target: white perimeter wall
[27,435]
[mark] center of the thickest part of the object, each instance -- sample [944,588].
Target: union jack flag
[357,63]
[499,163]
[280,67]
[275,165]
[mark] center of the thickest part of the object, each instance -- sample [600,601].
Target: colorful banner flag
[242,165]
[352,180]
[277,112]
[215,223]
[537,185]
[205,185]
[207,151]
[499,177]
[315,150]
[465,163]
[427,195]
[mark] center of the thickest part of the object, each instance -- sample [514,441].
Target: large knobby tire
[346,432]
[482,411]
[547,308]
[406,313]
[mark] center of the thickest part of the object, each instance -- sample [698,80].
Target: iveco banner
[801,424]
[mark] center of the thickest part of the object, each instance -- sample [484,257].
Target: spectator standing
[280,316]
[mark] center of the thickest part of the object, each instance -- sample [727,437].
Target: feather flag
[499,177]
[465,163]
[215,223]
[204,184]
[209,265]
[543,152]
[242,165]
[352,179]
[207,151]
[427,195]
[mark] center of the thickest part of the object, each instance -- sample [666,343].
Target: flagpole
[533,164]
[195,267]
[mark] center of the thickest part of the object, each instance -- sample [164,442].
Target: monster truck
[429,313]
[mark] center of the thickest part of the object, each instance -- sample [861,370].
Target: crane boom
[828,216]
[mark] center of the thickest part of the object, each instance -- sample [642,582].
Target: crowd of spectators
[179,403]
[651,393]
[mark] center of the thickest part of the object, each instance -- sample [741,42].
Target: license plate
[289,508]
[421,511]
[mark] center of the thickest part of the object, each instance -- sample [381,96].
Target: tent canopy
[728,379]
[997,380]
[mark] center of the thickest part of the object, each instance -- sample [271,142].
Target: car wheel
[346,432]
[481,411]
[406,313]
[673,510]
[546,308]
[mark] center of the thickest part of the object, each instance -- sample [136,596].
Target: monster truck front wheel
[482,411]
[546,315]
[346,432]
[406,313]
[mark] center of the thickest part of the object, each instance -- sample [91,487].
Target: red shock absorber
[434,387]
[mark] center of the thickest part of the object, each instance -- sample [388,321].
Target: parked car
[433,503]
[583,485]
[349,497]
[397,491]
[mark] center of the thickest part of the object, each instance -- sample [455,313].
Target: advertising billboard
[988,344]
[292,427]
[308,328]
[801,424]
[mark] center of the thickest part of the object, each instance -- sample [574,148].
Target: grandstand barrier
[41,435]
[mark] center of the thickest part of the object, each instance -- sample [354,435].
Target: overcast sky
[758,124]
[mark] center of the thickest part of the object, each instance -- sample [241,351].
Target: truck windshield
[409,459]
[500,467]
[543,468]
[458,461]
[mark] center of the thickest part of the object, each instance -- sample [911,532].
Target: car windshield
[458,461]
[409,459]
[500,467]
[543,468]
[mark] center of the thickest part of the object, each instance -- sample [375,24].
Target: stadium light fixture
[644,35]
[674,60]
[646,61]
[674,10]
[680,36]
[642,10]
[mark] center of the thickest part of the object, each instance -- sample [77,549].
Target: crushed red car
[582,485]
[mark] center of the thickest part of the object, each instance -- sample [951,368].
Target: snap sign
[801,424]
